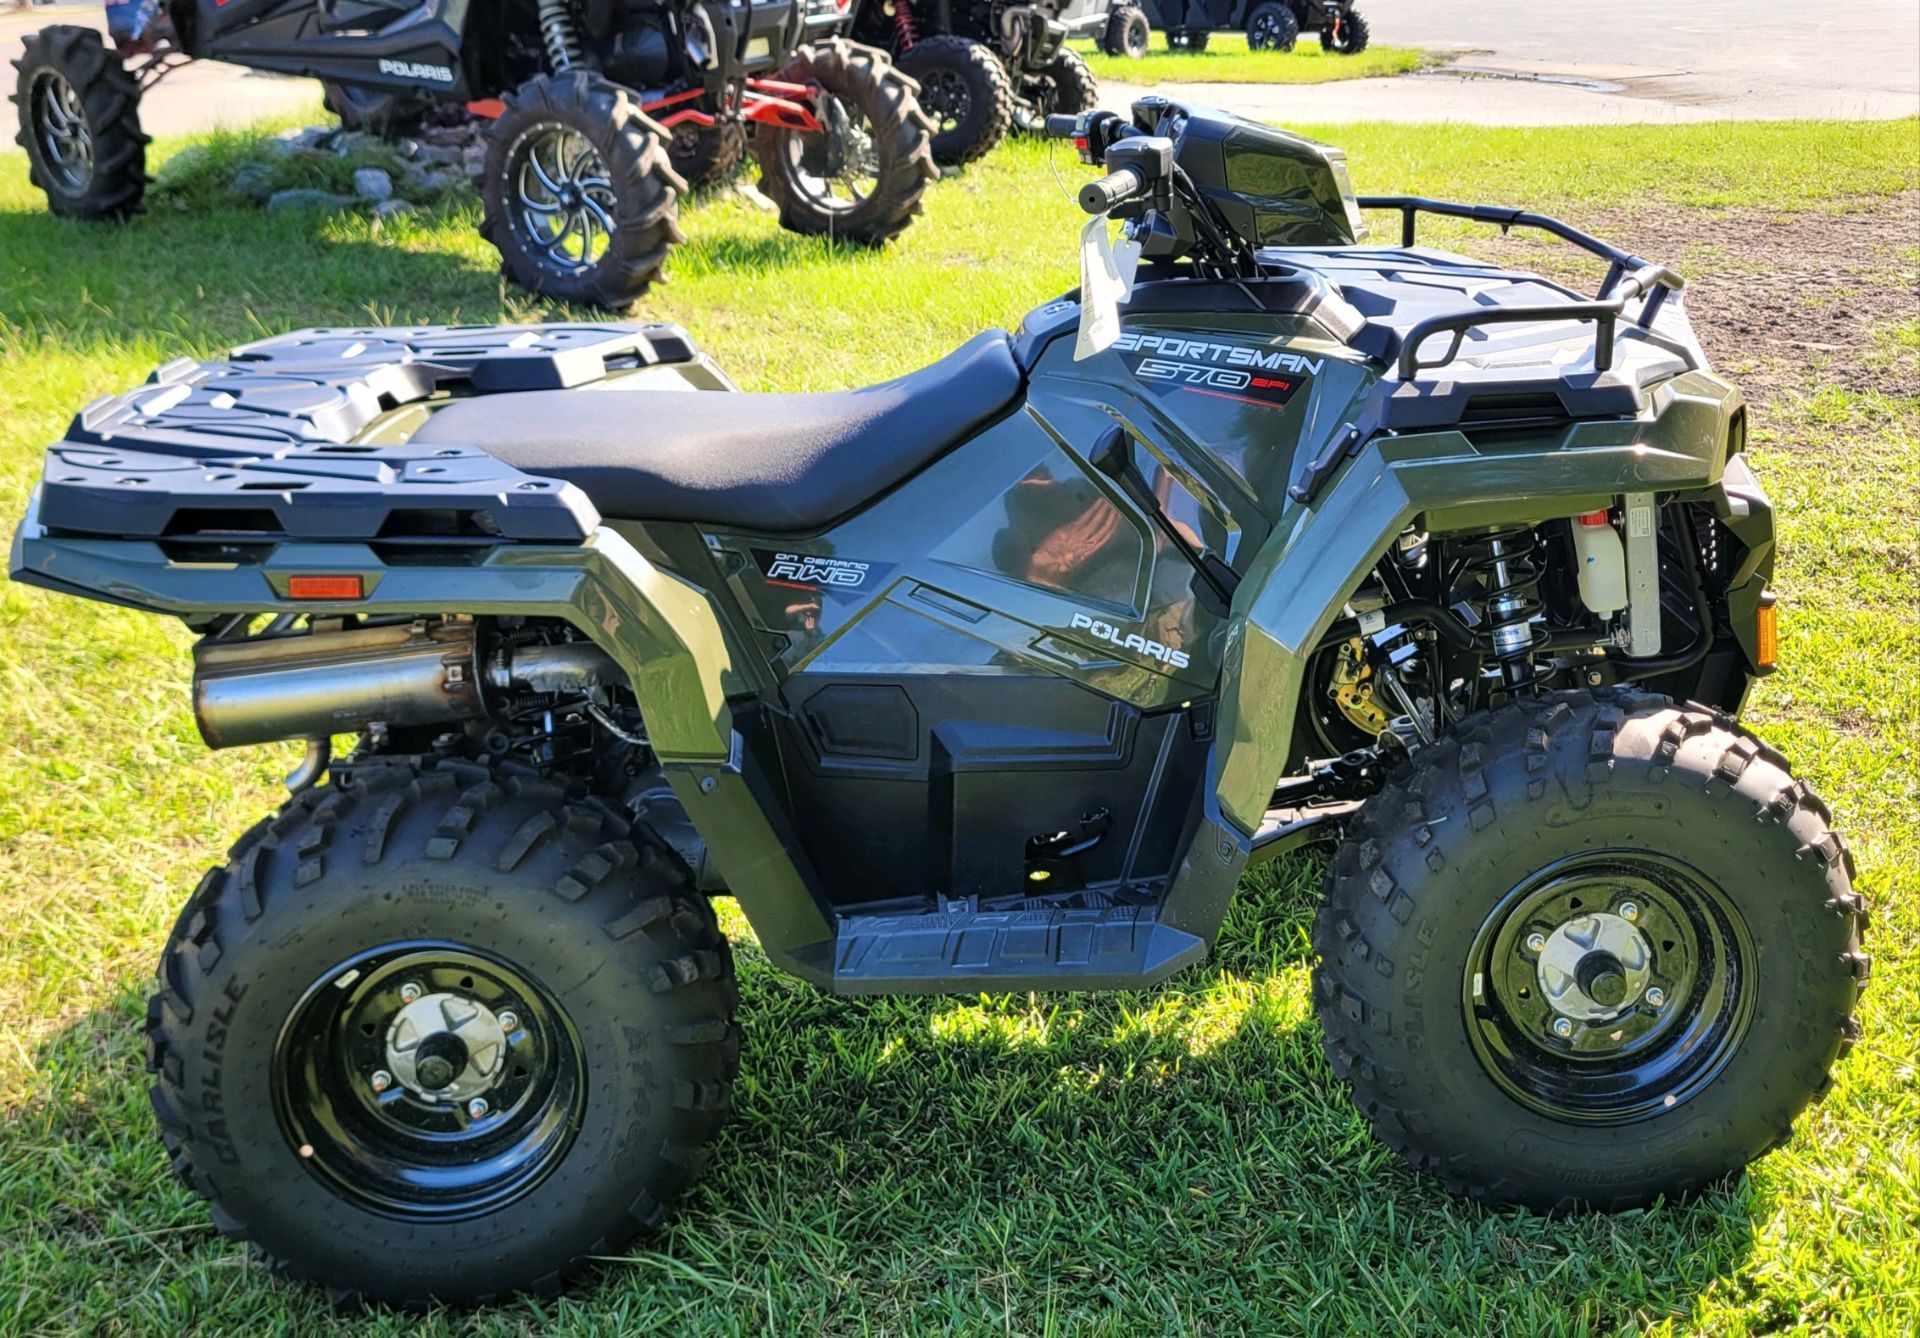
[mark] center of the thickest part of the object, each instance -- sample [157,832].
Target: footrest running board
[964,952]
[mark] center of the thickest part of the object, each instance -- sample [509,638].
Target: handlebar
[1114,189]
[1062,127]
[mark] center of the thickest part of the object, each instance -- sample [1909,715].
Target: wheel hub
[1594,967]
[446,1047]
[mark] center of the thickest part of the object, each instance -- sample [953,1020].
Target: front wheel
[1127,33]
[1272,27]
[578,194]
[1347,35]
[1588,950]
[79,118]
[967,93]
[1066,87]
[859,178]
[442,1031]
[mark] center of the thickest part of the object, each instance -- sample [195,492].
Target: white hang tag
[1102,290]
[1126,260]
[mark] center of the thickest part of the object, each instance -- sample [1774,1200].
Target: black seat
[761,462]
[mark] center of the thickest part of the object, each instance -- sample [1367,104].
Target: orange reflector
[325,587]
[1766,629]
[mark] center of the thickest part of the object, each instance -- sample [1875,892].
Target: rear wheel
[442,1032]
[1272,27]
[1352,37]
[373,110]
[1127,33]
[707,156]
[1065,87]
[966,92]
[578,194]
[1588,950]
[861,178]
[79,117]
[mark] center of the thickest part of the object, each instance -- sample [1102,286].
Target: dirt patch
[1781,302]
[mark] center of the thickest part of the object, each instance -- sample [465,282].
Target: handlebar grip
[1115,188]
[1062,127]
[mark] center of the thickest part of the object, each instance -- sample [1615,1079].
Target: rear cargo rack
[267,444]
[1628,277]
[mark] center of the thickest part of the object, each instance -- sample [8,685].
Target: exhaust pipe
[316,684]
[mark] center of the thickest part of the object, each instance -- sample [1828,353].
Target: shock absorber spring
[904,34]
[1508,566]
[557,35]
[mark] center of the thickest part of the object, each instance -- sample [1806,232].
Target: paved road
[1569,62]
[1521,62]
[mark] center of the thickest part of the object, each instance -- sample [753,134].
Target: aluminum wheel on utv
[79,119]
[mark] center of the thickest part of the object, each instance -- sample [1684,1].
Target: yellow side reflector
[1766,628]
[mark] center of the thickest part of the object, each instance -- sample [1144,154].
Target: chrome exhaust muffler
[315,684]
[344,680]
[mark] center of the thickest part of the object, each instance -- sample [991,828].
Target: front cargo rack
[267,444]
[1628,277]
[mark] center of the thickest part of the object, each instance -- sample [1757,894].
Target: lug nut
[1629,912]
[409,992]
[1562,1027]
[509,1022]
[477,1107]
[1536,943]
[381,1080]
[1656,996]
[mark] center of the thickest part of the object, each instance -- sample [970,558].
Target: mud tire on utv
[388,115]
[1272,27]
[262,1039]
[639,195]
[1700,860]
[901,136]
[707,157]
[1354,35]
[967,94]
[1065,87]
[79,116]
[1128,33]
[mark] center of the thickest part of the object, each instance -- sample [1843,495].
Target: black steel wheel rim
[1266,32]
[945,98]
[418,1122]
[562,198]
[1609,987]
[60,125]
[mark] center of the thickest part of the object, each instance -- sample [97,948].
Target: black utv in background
[986,68]
[1270,25]
[603,112]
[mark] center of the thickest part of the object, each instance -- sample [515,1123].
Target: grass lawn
[1227,61]
[1177,1161]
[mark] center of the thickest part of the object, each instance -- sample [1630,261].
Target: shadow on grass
[1165,1160]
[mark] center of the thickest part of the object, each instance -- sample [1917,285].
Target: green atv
[996,676]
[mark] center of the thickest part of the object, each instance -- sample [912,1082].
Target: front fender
[1318,555]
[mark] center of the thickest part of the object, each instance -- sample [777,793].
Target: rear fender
[662,631]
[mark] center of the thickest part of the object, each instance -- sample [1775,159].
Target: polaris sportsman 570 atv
[603,112]
[984,67]
[996,676]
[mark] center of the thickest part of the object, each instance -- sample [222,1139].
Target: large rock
[302,199]
[253,182]
[371,183]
